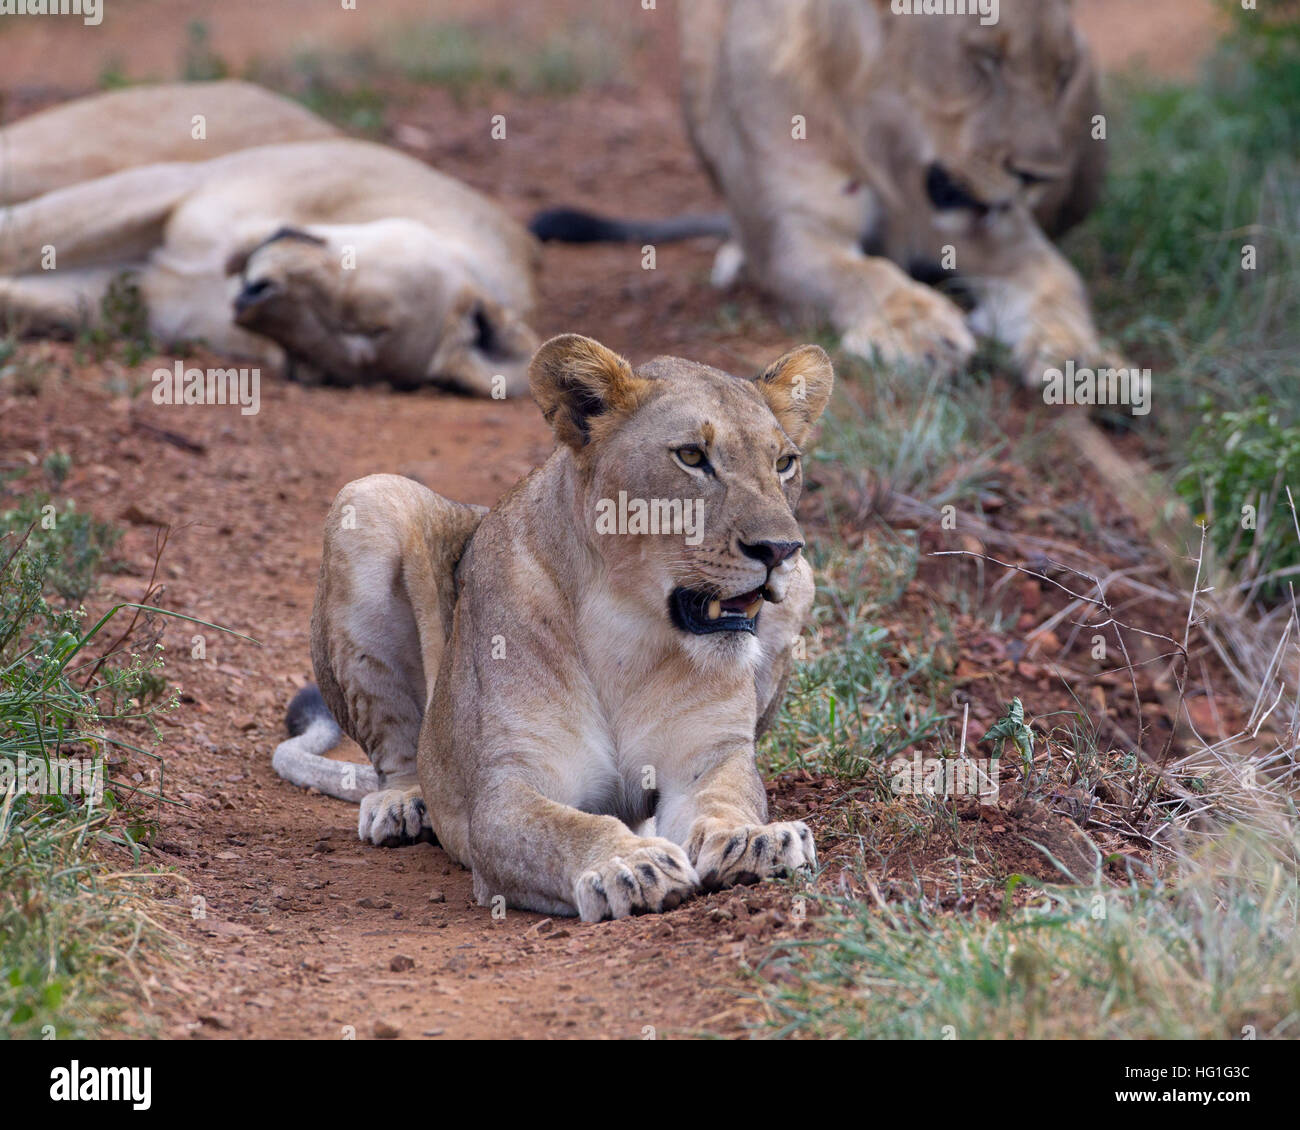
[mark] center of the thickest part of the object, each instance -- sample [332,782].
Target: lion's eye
[1065,78]
[786,464]
[691,457]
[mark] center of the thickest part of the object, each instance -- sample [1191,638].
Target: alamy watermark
[677,516]
[987,10]
[1128,388]
[946,776]
[179,385]
[59,776]
[90,11]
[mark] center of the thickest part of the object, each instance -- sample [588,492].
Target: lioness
[350,261]
[858,144]
[571,709]
[143,125]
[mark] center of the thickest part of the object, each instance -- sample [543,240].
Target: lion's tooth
[752,610]
[715,609]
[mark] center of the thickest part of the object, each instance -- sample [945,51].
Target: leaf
[1011,727]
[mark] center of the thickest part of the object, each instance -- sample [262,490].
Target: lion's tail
[568,225]
[313,732]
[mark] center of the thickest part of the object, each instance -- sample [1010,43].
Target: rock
[401,963]
[386,1031]
[737,907]
[437,896]
[138,517]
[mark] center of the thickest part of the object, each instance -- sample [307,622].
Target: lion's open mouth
[701,614]
[947,193]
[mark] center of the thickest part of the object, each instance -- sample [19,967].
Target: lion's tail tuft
[313,732]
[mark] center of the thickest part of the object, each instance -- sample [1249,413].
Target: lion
[144,125]
[343,261]
[567,701]
[867,151]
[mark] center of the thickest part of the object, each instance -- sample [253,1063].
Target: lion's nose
[253,292]
[771,553]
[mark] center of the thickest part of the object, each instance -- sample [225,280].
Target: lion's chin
[725,655]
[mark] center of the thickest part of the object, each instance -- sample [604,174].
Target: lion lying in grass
[348,261]
[569,708]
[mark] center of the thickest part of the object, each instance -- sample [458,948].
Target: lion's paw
[393,817]
[756,851]
[1055,341]
[913,326]
[656,876]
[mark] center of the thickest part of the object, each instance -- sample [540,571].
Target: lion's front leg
[721,820]
[1032,299]
[539,854]
[881,313]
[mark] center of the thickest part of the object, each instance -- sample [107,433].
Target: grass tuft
[74,912]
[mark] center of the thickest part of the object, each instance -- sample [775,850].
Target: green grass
[338,89]
[919,435]
[1198,172]
[462,57]
[75,919]
[861,695]
[1207,954]
[1240,464]
[353,88]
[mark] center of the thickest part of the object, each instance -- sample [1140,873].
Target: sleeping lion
[866,151]
[345,261]
[569,707]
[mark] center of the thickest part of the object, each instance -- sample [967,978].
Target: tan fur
[144,125]
[351,261]
[576,748]
[834,222]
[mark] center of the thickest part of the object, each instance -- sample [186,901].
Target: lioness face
[688,479]
[991,101]
[382,301]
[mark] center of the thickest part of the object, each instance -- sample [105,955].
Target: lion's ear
[796,388]
[581,386]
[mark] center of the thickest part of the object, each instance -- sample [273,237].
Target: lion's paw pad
[754,852]
[655,877]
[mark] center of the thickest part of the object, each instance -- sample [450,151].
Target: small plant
[124,320]
[1011,727]
[57,465]
[65,548]
[337,89]
[1242,463]
[200,62]
[113,76]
